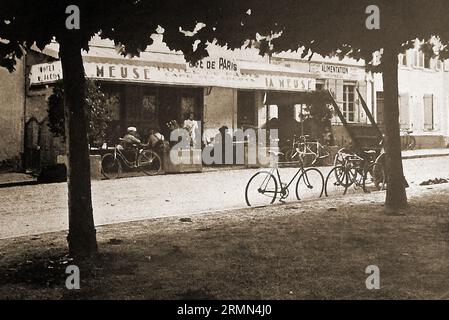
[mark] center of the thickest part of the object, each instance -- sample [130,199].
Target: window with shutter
[428,112]
[404,114]
[349,110]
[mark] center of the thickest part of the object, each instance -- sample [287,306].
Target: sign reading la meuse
[165,75]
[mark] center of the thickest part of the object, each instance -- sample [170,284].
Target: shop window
[149,108]
[301,112]
[273,111]
[187,105]
[246,108]
[428,112]
[349,102]
[113,100]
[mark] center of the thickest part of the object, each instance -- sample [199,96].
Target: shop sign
[216,64]
[46,73]
[43,73]
[328,70]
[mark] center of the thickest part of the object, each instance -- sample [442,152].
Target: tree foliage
[330,27]
[324,27]
[98,109]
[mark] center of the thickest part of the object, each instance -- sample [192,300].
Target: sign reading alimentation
[337,71]
[48,72]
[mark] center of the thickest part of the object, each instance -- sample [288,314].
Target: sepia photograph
[224,155]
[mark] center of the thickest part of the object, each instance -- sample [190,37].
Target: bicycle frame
[118,154]
[278,175]
[305,148]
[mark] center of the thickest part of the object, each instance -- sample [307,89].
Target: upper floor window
[403,60]
[419,59]
[427,61]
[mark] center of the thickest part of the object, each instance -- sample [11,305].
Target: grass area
[312,250]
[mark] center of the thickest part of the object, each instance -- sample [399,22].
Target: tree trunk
[396,195]
[82,235]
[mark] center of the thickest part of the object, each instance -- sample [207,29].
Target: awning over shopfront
[107,64]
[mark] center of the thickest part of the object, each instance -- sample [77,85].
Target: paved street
[28,210]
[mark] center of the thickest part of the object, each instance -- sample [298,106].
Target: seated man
[131,144]
[156,139]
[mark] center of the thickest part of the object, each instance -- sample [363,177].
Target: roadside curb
[18,183]
[420,156]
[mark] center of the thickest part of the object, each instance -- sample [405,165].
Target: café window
[187,105]
[113,103]
[149,107]
[349,102]
[246,108]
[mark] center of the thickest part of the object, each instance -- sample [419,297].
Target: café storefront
[219,91]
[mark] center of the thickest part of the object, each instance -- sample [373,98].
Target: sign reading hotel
[46,73]
[195,76]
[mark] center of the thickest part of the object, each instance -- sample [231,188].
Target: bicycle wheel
[149,162]
[261,189]
[310,184]
[356,175]
[337,181]
[110,166]
[339,159]
[374,178]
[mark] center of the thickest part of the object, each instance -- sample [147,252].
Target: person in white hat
[130,142]
[130,137]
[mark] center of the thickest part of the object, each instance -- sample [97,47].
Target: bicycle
[350,169]
[264,186]
[145,160]
[408,141]
[310,151]
[289,151]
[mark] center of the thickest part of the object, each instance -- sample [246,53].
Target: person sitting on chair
[131,143]
[156,140]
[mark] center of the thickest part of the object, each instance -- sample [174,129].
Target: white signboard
[195,76]
[327,70]
[46,73]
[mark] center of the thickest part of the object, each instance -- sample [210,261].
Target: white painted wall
[418,82]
